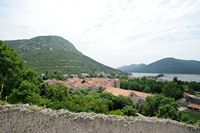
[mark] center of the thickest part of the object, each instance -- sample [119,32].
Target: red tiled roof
[53,81]
[142,94]
[191,96]
[119,91]
[187,94]
[89,82]
[97,82]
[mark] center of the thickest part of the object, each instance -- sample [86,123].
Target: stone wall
[31,119]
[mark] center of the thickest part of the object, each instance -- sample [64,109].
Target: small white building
[85,75]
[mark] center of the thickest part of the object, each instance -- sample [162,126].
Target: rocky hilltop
[31,119]
[56,54]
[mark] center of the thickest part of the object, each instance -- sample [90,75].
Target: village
[110,85]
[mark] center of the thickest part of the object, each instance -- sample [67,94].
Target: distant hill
[129,68]
[54,53]
[166,65]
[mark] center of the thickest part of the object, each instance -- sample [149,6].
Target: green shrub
[129,110]
[160,106]
[116,112]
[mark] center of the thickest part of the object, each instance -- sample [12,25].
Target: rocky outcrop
[33,119]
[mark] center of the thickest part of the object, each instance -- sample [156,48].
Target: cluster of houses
[76,83]
[109,85]
[113,86]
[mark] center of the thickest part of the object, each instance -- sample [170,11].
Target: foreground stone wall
[30,119]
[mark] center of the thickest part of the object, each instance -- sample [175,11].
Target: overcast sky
[113,32]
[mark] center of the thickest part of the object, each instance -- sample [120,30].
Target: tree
[168,111]
[10,69]
[156,88]
[161,106]
[184,117]
[171,89]
[121,101]
[117,112]
[19,83]
[27,92]
[194,86]
[54,92]
[175,79]
[100,107]
[129,111]
[30,75]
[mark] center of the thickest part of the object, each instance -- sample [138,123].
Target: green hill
[166,65]
[54,53]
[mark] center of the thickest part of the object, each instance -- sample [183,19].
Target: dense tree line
[165,107]
[173,89]
[59,97]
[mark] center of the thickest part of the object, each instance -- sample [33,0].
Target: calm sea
[169,77]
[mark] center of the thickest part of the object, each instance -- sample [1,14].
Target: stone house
[192,101]
[73,76]
[136,96]
[85,75]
